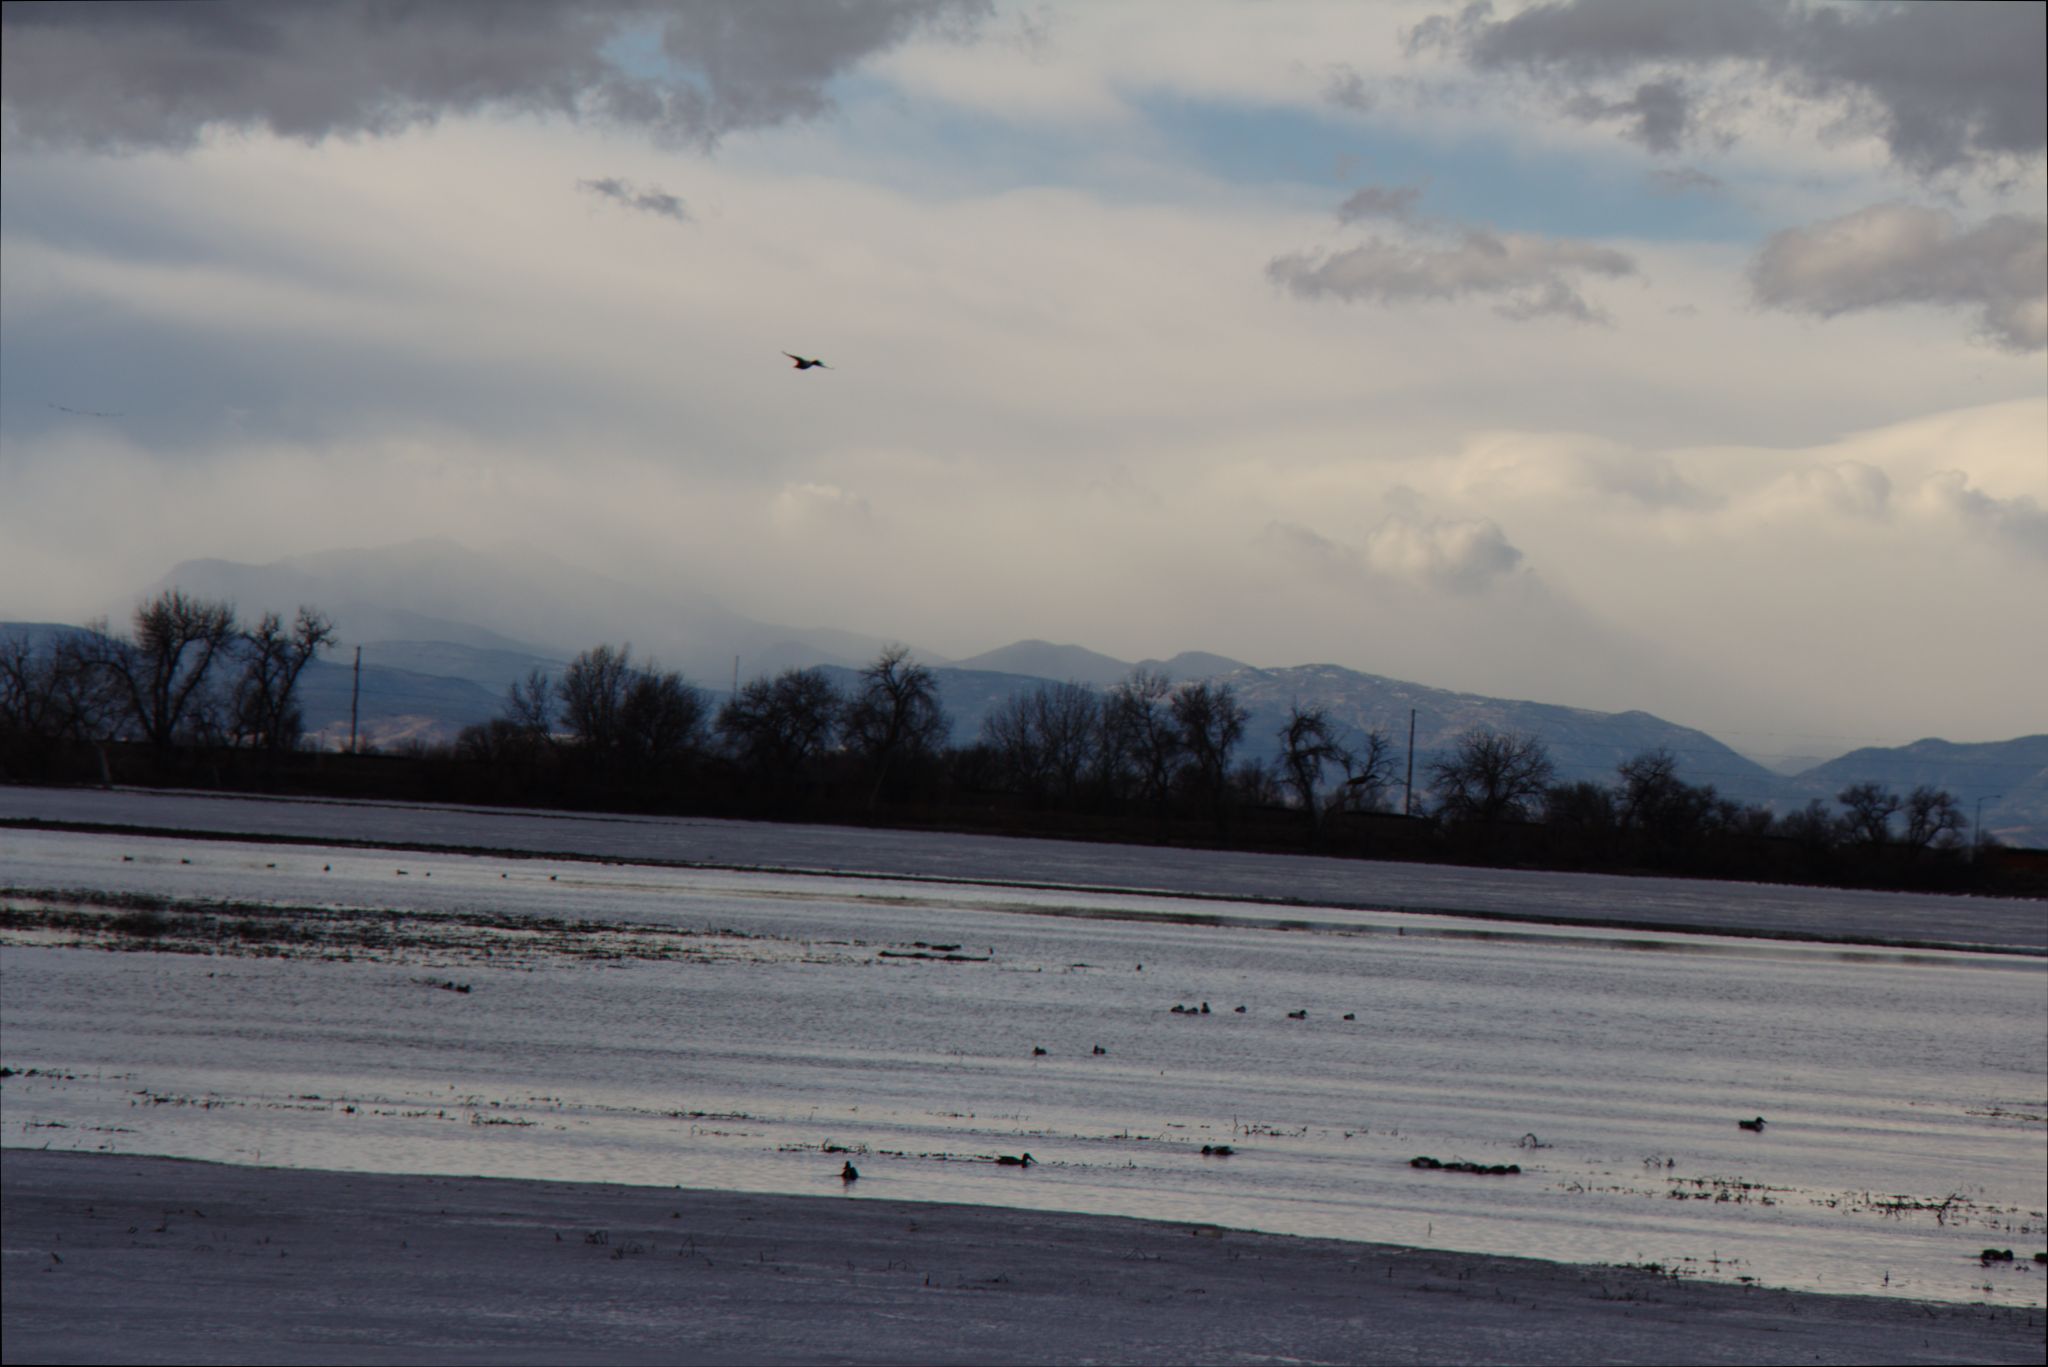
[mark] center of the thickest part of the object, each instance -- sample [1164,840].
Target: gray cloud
[1891,254]
[1381,201]
[651,201]
[2020,521]
[1947,86]
[1659,115]
[1685,180]
[114,76]
[1344,87]
[1456,555]
[1528,276]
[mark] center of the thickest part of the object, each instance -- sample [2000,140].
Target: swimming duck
[1218,1150]
[849,1173]
[1012,1161]
[1755,1126]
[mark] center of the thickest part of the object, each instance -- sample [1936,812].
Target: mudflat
[113,1258]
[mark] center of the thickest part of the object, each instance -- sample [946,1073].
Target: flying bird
[804,362]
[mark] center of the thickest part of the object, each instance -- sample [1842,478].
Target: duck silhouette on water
[849,1173]
[1010,1160]
[1755,1126]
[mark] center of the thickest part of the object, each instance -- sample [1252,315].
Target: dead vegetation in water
[132,922]
[1723,1191]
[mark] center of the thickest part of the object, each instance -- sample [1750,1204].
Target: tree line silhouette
[190,695]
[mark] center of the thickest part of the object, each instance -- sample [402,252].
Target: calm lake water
[737,1030]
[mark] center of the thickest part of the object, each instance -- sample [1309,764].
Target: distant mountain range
[444,631]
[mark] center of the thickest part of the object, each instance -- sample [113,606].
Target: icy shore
[155,1260]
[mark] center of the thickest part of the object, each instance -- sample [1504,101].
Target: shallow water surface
[303,1007]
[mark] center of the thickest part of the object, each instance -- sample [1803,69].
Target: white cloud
[1849,487]
[809,511]
[1463,555]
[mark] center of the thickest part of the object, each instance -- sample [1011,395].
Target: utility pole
[1408,797]
[355,693]
[1977,828]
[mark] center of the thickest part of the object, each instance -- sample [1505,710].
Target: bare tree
[1140,736]
[1933,818]
[1663,812]
[1813,827]
[530,705]
[1308,746]
[55,693]
[894,718]
[1585,809]
[1871,809]
[1368,773]
[1491,776]
[1044,741]
[1649,784]
[777,728]
[522,733]
[592,690]
[263,711]
[162,676]
[624,718]
[660,719]
[1211,724]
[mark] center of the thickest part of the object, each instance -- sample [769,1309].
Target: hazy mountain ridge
[521,601]
[2009,777]
[1583,744]
[444,630]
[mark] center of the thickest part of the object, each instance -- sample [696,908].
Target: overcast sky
[1687,357]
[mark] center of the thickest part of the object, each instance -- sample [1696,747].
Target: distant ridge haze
[445,629]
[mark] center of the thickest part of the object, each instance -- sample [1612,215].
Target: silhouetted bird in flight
[805,363]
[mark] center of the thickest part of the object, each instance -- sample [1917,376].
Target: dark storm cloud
[1528,276]
[652,201]
[111,76]
[1947,86]
[1891,254]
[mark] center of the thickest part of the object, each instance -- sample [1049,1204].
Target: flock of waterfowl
[1423,1162]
